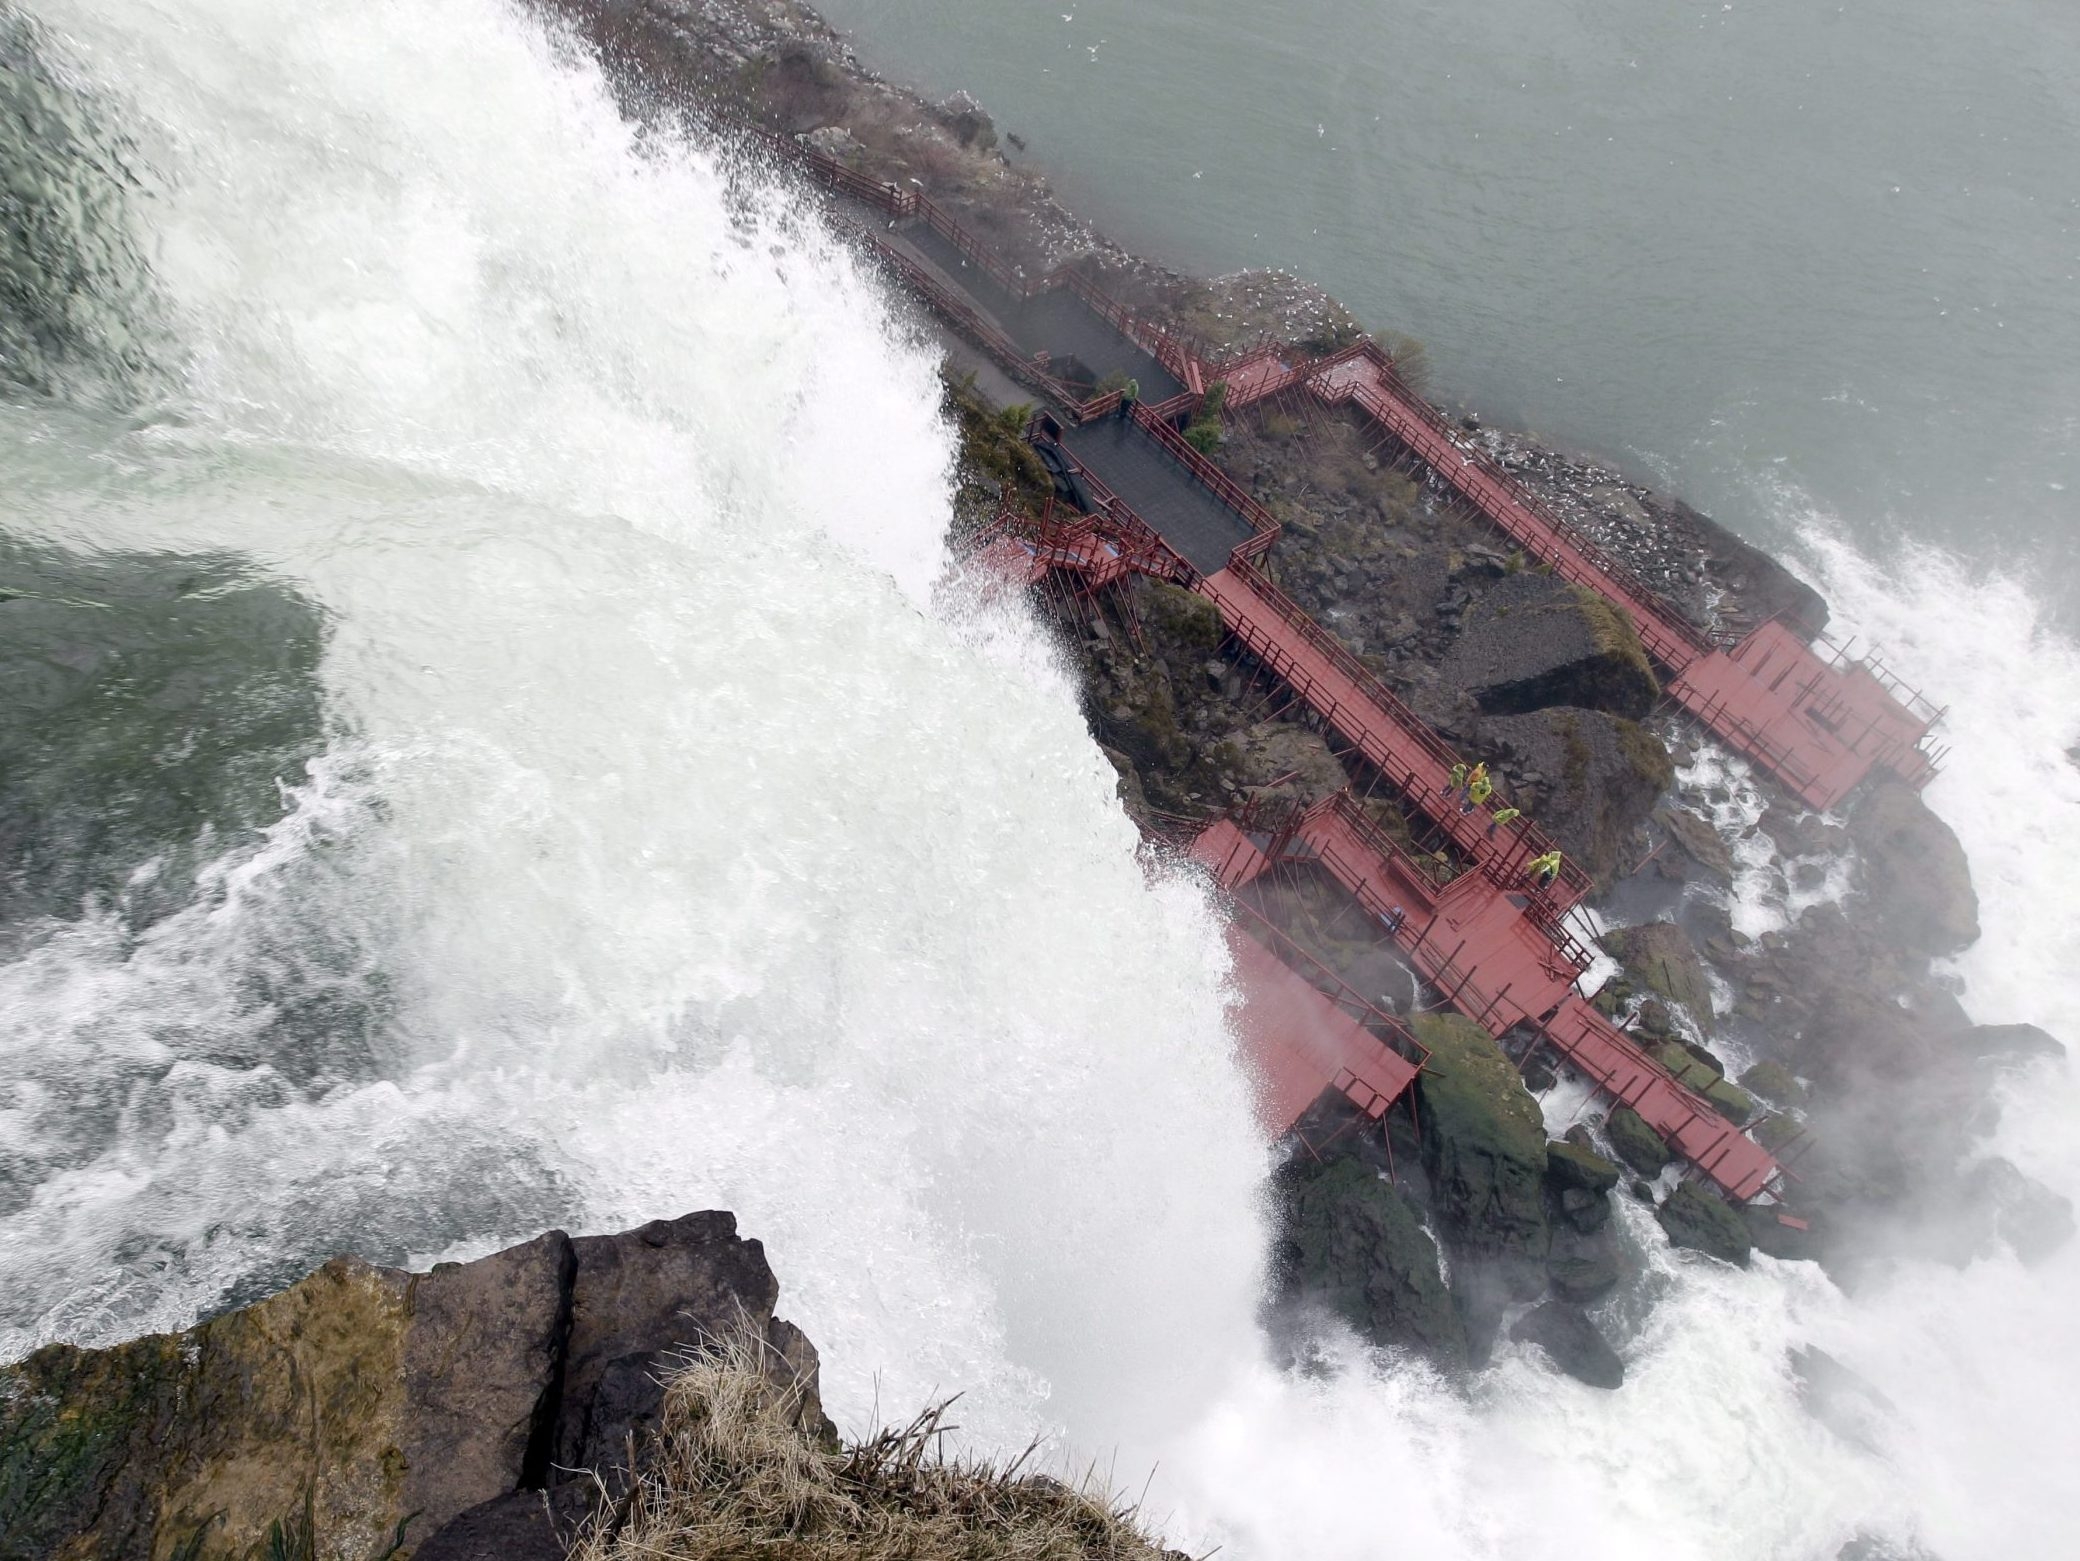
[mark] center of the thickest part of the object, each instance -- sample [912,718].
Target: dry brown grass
[732,1475]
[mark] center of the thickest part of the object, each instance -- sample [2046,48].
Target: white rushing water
[694,853]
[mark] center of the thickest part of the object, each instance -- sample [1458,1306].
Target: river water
[482,758]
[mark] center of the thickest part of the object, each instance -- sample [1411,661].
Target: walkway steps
[1372,719]
[1815,720]
[1297,1041]
[1471,940]
[1472,943]
[1685,1121]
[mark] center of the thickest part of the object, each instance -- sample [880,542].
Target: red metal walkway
[1473,943]
[1299,1040]
[1815,719]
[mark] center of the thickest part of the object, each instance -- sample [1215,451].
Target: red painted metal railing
[1262,523]
[1367,723]
[1670,638]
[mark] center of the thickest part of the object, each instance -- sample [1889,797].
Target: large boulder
[1699,841]
[1571,1341]
[1350,1242]
[1658,957]
[1589,778]
[1484,1151]
[1531,640]
[1571,1164]
[367,1395]
[1637,1144]
[644,1295]
[365,1407]
[1917,881]
[1585,1266]
[1705,1224]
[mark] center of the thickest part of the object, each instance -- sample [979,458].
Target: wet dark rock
[1484,1150]
[1840,1399]
[1705,1224]
[1584,1266]
[1590,779]
[520,1526]
[645,1294]
[1697,840]
[1637,1144]
[1917,880]
[1351,1243]
[2029,1217]
[1587,1212]
[1658,957]
[1577,1165]
[380,1402]
[1779,1233]
[1531,640]
[1873,1547]
[1572,1343]
[2012,1043]
[1539,1076]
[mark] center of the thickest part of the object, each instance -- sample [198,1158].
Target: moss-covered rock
[1775,1083]
[1706,1224]
[1658,957]
[1577,1165]
[363,1394]
[1184,617]
[1730,1101]
[1637,1144]
[1484,1149]
[364,1408]
[1349,1241]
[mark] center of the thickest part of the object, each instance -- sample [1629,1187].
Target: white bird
[1067,17]
[1320,131]
[1200,174]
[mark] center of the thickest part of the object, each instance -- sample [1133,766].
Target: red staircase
[1473,943]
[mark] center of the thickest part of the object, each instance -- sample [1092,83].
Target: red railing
[1359,726]
[1262,522]
[1672,638]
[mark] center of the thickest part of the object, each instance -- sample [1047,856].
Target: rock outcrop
[1484,1151]
[366,1406]
[1706,1224]
[1532,640]
[1658,956]
[1637,1144]
[1349,1241]
[1919,884]
[1590,779]
[1570,1339]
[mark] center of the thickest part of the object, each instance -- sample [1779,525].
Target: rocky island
[524,1404]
